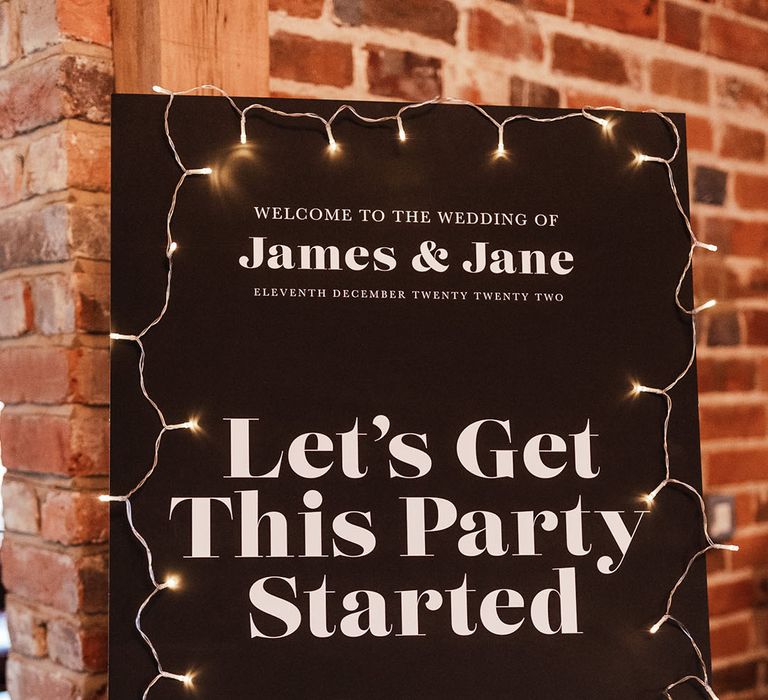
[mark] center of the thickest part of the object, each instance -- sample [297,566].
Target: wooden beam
[182,43]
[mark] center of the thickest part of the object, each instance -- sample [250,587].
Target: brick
[626,16]
[753,551]
[715,561]
[737,42]
[89,375]
[699,133]
[680,80]
[38,27]
[726,374]
[78,647]
[59,86]
[734,92]
[744,144]
[46,164]
[710,185]
[34,374]
[9,43]
[682,26]
[54,374]
[70,583]
[85,20]
[91,289]
[553,7]
[89,229]
[54,305]
[21,509]
[27,628]
[748,510]
[731,596]
[723,328]
[11,175]
[17,317]
[88,156]
[732,638]
[307,60]
[732,420]
[751,191]
[434,18]
[311,9]
[718,231]
[489,34]
[526,93]
[70,517]
[403,74]
[753,8]
[753,282]
[578,98]
[736,466]
[756,323]
[748,238]
[576,57]
[734,678]
[711,280]
[43,680]
[72,443]
[36,236]
[73,154]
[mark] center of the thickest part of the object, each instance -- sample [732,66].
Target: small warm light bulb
[105,498]
[731,547]
[172,582]
[706,305]
[206,171]
[172,248]
[649,499]
[188,680]
[332,145]
[640,158]
[121,336]
[707,246]
[161,90]
[401,133]
[191,424]
[658,625]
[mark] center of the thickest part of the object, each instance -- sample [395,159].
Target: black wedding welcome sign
[419,465]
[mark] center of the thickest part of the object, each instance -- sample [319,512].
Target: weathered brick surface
[54,248]
[433,18]
[74,441]
[47,90]
[71,518]
[587,59]
[680,80]
[403,74]
[620,15]
[72,583]
[21,508]
[45,680]
[507,39]
[301,58]
[682,25]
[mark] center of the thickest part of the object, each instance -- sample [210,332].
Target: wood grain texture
[179,44]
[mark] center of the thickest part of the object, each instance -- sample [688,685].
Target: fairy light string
[588,113]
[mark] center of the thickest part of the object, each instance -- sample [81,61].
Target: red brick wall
[707,58]
[55,81]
